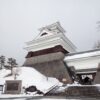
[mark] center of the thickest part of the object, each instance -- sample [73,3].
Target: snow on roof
[91,53]
[29,77]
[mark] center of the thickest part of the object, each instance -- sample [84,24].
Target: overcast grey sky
[20,20]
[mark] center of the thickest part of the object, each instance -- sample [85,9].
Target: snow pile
[3,73]
[62,88]
[74,84]
[30,77]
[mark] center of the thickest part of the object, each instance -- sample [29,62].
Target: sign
[13,87]
[1,88]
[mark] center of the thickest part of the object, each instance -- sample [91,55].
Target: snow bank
[3,73]
[29,77]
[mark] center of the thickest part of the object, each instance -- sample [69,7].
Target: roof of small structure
[83,54]
[86,71]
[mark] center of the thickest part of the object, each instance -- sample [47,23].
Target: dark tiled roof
[55,49]
[86,70]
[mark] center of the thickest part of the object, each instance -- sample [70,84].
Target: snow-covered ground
[29,77]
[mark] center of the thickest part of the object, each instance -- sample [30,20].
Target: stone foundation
[97,77]
[55,69]
[77,91]
[51,65]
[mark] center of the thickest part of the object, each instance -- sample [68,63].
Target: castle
[54,55]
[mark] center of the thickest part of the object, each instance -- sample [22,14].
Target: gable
[51,30]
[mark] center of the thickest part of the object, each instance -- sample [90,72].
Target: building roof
[50,36]
[83,54]
[86,71]
[55,49]
[52,27]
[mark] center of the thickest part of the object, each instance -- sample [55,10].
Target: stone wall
[97,77]
[51,65]
[44,58]
[55,69]
[82,91]
[77,91]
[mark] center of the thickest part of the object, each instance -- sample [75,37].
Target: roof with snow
[86,61]
[83,54]
[88,51]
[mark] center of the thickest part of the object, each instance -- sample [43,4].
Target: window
[44,34]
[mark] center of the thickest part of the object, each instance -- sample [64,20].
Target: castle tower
[47,51]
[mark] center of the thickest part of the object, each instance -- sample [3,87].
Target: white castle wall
[84,63]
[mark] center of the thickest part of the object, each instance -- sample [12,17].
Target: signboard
[13,87]
[1,87]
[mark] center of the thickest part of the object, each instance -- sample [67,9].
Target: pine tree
[12,63]
[2,61]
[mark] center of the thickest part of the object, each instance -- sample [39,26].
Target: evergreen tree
[2,61]
[12,63]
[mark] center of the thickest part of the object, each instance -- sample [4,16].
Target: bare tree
[97,45]
[12,63]
[2,61]
[98,26]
